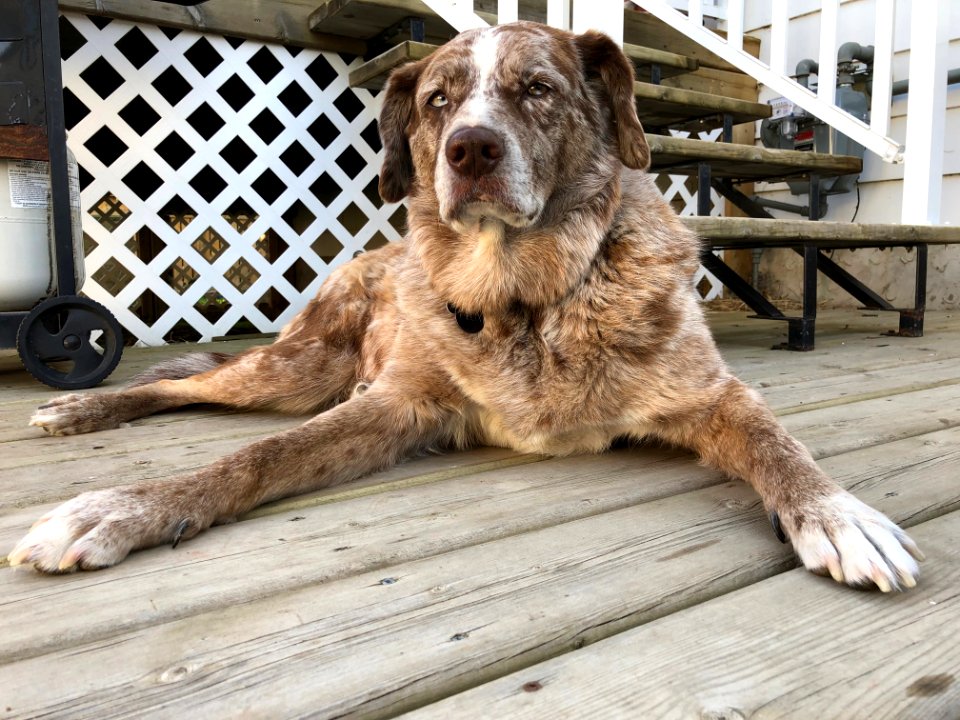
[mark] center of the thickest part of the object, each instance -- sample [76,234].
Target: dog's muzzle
[474,151]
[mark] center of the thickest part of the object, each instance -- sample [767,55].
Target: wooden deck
[635,584]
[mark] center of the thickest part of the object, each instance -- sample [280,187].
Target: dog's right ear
[396,175]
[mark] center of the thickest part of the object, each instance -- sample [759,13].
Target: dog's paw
[99,529]
[75,414]
[850,541]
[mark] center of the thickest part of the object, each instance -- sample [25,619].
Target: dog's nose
[474,151]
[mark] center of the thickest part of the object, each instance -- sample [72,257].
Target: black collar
[469,323]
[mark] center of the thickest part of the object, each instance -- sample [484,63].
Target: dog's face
[498,122]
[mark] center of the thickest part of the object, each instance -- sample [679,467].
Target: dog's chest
[545,382]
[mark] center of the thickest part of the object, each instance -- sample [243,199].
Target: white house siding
[890,272]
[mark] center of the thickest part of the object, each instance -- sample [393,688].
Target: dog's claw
[178,533]
[777,528]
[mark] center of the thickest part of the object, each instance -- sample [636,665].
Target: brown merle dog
[541,301]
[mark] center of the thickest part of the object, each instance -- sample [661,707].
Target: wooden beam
[373,74]
[23,142]
[365,19]
[646,56]
[744,162]
[660,105]
[716,82]
[753,232]
[281,21]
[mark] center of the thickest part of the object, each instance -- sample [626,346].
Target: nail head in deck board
[806,649]
[528,597]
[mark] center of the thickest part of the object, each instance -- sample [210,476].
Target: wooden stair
[744,163]
[736,233]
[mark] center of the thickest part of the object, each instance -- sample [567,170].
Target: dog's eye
[537,89]
[438,99]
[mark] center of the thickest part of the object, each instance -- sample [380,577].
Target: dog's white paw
[97,529]
[74,414]
[849,540]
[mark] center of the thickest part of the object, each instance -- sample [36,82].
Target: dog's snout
[474,151]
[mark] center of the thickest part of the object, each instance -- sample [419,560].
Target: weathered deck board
[501,561]
[446,623]
[805,649]
[848,656]
[161,432]
[829,428]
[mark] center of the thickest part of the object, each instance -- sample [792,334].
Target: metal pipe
[851,51]
[805,68]
[802,210]
[902,87]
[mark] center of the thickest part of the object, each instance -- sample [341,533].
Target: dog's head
[495,120]
[509,129]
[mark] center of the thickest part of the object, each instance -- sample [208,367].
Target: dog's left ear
[396,174]
[605,62]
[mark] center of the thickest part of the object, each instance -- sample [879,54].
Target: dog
[542,300]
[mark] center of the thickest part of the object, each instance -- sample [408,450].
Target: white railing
[776,75]
[926,110]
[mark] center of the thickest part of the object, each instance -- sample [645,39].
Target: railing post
[779,22]
[827,72]
[735,24]
[926,113]
[882,65]
[603,15]
[558,14]
[507,11]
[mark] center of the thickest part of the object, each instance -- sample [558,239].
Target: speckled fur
[592,330]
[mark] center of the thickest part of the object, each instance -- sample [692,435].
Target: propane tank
[27,262]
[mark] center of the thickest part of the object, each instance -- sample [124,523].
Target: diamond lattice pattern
[201,158]
[223,179]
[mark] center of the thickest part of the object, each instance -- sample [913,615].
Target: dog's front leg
[831,530]
[372,431]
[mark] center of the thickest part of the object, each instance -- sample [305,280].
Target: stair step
[372,75]
[731,233]
[366,19]
[682,156]
[670,63]
[659,106]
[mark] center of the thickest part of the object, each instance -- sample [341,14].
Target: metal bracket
[410,28]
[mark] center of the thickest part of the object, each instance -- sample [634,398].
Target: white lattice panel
[681,192]
[217,148]
[223,179]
